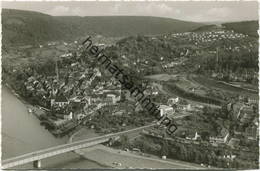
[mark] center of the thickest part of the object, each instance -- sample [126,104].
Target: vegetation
[246,27]
[105,122]
[27,27]
[191,153]
[204,28]
[170,86]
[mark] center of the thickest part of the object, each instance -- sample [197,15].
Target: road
[128,159]
[41,154]
[22,159]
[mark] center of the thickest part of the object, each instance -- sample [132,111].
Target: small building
[173,100]
[164,109]
[118,113]
[218,140]
[246,114]
[60,101]
[69,116]
[222,139]
[252,132]
[252,100]
[231,157]
[196,136]
[112,98]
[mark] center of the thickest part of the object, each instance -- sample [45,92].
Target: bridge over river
[36,156]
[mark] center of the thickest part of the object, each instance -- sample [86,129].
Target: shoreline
[117,158]
[11,148]
[97,155]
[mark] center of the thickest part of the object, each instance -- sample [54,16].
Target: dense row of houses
[209,36]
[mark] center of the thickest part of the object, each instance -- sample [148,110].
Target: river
[22,133]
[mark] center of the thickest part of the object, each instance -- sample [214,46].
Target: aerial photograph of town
[129,85]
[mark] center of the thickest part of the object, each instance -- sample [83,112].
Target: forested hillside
[27,27]
[246,27]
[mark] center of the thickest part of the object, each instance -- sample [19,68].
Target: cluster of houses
[174,107]
[209,36]
[232,77]
[86,105]
[71,98]
[68,94]
[246,115]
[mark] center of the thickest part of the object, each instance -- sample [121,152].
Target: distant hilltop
[28,27]
[246,27]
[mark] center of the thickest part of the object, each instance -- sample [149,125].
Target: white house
[69,116]
[113,98]
[223,138]
[60,101]
[232,157]
[194,138]
[164,109]
[218,140]
[187,107]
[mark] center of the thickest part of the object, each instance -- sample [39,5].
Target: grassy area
[191,87]
[172,87]
[215,84]
[161,77]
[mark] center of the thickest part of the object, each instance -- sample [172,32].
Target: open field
[191,101]
[218,85]
[186,88]
[161,77]
[171,87]
[191,87]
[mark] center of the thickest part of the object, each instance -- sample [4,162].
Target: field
[223,87]
[161,77]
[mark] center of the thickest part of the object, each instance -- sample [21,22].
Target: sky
[190,10]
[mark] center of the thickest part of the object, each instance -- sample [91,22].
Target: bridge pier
[37,164]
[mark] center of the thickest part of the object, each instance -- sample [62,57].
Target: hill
[246,27]
[28,27]
[205,28]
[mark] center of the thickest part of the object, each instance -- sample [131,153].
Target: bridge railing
[66,146]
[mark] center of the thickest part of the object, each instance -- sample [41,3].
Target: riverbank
[122,159]
[22,133]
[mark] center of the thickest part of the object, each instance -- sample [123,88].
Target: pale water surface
[22,133]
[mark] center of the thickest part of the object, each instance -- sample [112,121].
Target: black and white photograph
[129,85]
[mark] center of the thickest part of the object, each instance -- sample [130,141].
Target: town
[211,98]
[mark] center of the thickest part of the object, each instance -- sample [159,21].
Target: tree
[205,136]
[183,152]
[198,158]
[124,139]
[165,148]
